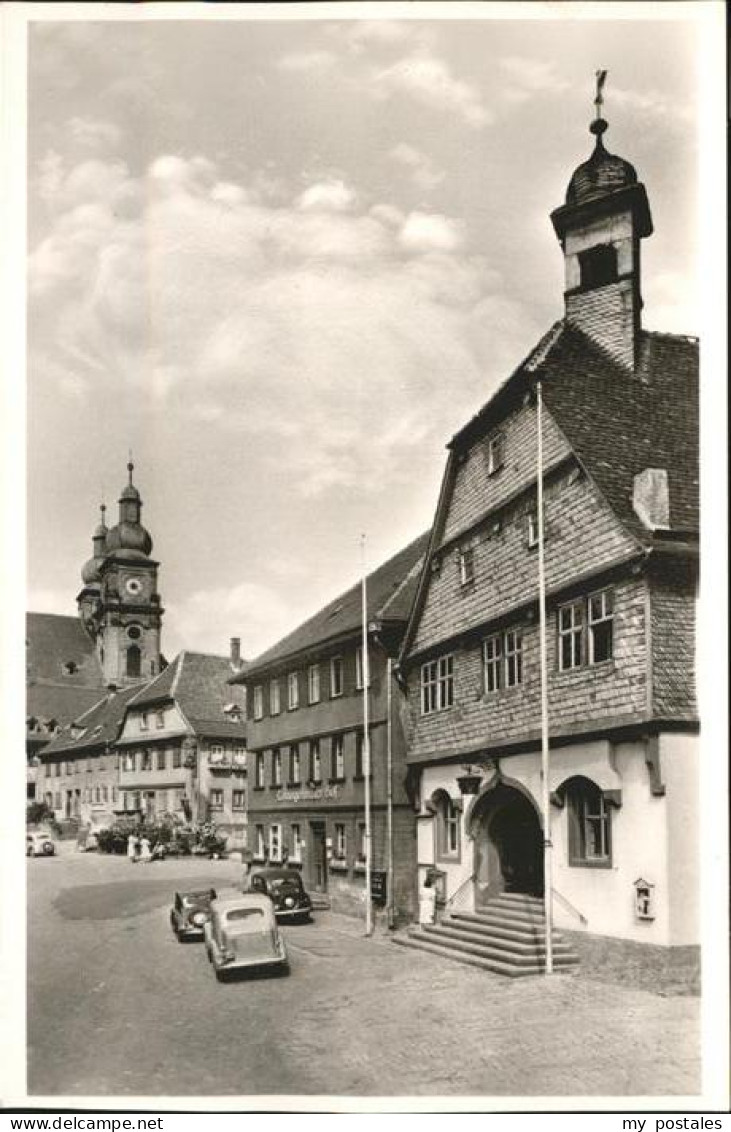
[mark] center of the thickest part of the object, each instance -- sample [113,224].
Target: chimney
[236,653]
[651,498]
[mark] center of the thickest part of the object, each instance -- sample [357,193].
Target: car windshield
[291,880]
[245,920]
[192,898]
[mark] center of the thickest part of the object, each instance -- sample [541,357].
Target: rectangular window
[450,845]
[144,723]
[276,768]
[274,701]
[495,453]
[336,676]
[294,765]
[161,760]
[258,703]
[362,844]
[128,761]
[296,843]
[492,652]
[238,800]
[359,755]
[532,530]
[513,658]
[159,720]
[259,770]
[313,684]
[275,842]
[216,754]
[315,761]
[146,760]
[570,635]
[437,685]
[259,843]
[338,757]
[293,691]
[589,825]
[601,626]
[340,847]
[466,562]
[216,800]
[177,758]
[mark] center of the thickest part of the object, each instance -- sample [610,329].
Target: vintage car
[242,933]
[190,911]
[39,844]
[285,889]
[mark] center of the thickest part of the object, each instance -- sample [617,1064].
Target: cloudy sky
[283,261]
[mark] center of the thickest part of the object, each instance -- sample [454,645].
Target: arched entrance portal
[508,843]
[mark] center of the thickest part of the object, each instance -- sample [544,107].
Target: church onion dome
[130,492]
[602,174]
[90,571]
[129,540]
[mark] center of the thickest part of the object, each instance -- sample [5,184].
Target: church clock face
[133,586]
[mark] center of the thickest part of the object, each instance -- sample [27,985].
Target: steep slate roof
[102,724]
[617,421]
[51,641]
[390,590]
[197,682]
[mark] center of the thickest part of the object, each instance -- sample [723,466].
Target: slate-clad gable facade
[620,510]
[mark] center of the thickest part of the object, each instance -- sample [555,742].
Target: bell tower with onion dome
[119,603]
[605,215]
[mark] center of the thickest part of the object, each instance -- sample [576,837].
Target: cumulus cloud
[207,618]
[430,232]
[333,195]
[526,78]
[428,79]
[292,323]
[423,172]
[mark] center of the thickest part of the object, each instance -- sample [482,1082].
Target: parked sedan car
[39,845]
[285,889]
[242,933]
[190,911]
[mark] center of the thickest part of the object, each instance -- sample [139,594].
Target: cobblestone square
[116,1007]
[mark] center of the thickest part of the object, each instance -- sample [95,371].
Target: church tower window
[134,659]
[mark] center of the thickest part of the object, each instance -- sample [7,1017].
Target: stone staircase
[507,935]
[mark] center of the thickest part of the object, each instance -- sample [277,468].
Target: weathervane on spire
[130,466]
[601,78]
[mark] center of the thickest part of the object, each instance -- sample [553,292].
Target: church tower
[605,215]
[119,603]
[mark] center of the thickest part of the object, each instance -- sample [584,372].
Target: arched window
[447,826]
[133,661]
[589,820]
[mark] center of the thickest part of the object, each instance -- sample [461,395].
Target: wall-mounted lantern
[469,783]
[644,899]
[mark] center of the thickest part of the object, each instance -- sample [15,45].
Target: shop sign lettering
[319,794]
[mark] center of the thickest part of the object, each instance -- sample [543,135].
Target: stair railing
[459,901]
[569,906]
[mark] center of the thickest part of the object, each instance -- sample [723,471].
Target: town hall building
[619,472]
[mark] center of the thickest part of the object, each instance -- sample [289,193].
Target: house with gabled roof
[619,471]
[305,737]
[79,772]
[183,745]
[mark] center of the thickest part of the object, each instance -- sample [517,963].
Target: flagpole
[365,674]
[546,791]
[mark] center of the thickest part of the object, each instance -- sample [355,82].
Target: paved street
[118,1007]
